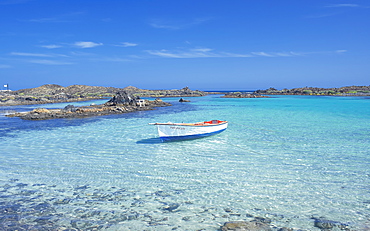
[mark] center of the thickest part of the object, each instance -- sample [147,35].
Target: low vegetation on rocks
[342,91]
[243,95]
[52,93]
[122,102]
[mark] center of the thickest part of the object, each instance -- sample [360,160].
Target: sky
[171,44]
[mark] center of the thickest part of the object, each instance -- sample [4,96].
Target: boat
[182,131]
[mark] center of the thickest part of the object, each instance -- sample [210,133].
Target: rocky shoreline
[52,93]
[122,102]
[342,91]
[243,95]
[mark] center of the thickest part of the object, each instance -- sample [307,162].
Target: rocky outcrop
[243,95]
[184,92]
[122,102]
[52,93]
[342,91]
[245,226]
[324,224]
[122,98]
[181,100]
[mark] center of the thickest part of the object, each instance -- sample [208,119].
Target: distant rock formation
[184,92]
[52,93]
[342,91]
[243,95]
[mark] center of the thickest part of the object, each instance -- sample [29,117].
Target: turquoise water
[286,158]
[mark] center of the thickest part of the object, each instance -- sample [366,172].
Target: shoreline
[51,93]
[121,103]
[20,103]
[316,91]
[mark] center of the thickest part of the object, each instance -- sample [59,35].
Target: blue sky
[170,44]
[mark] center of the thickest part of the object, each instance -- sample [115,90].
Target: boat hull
[173,132]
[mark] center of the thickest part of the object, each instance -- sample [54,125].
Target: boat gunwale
[199,124]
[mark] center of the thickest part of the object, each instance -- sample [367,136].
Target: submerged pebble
[88,208]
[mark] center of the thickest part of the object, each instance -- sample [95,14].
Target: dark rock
[183,100]
[62,202]
[70,108]
[228,210]
[245,226]
[171,207]
[122,98]
[162,194]
[187,218]
[263,220]
[21,185]
[285,229]
[82,187]
[328,225]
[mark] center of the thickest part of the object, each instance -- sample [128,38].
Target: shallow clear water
[286,158]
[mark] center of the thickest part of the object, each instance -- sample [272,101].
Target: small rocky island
[243,95]
[52,93]
[342,91]
[121,102]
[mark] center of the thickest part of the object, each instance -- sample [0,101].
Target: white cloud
[277,54]
[87,44]
[164,26]
[68,17]
[110,59]
[49,62]
[204,50]
[51,46]
[42,20]
[36,54]
[209,53]
[127,44]
[196,53]
[262,54]
[30,54]
[176,25]
[343,5]
[80,53]
[4,66]
[335,10]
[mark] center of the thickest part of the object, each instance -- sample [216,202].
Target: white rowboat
[182,131]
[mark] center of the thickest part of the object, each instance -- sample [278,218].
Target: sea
[300,162]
